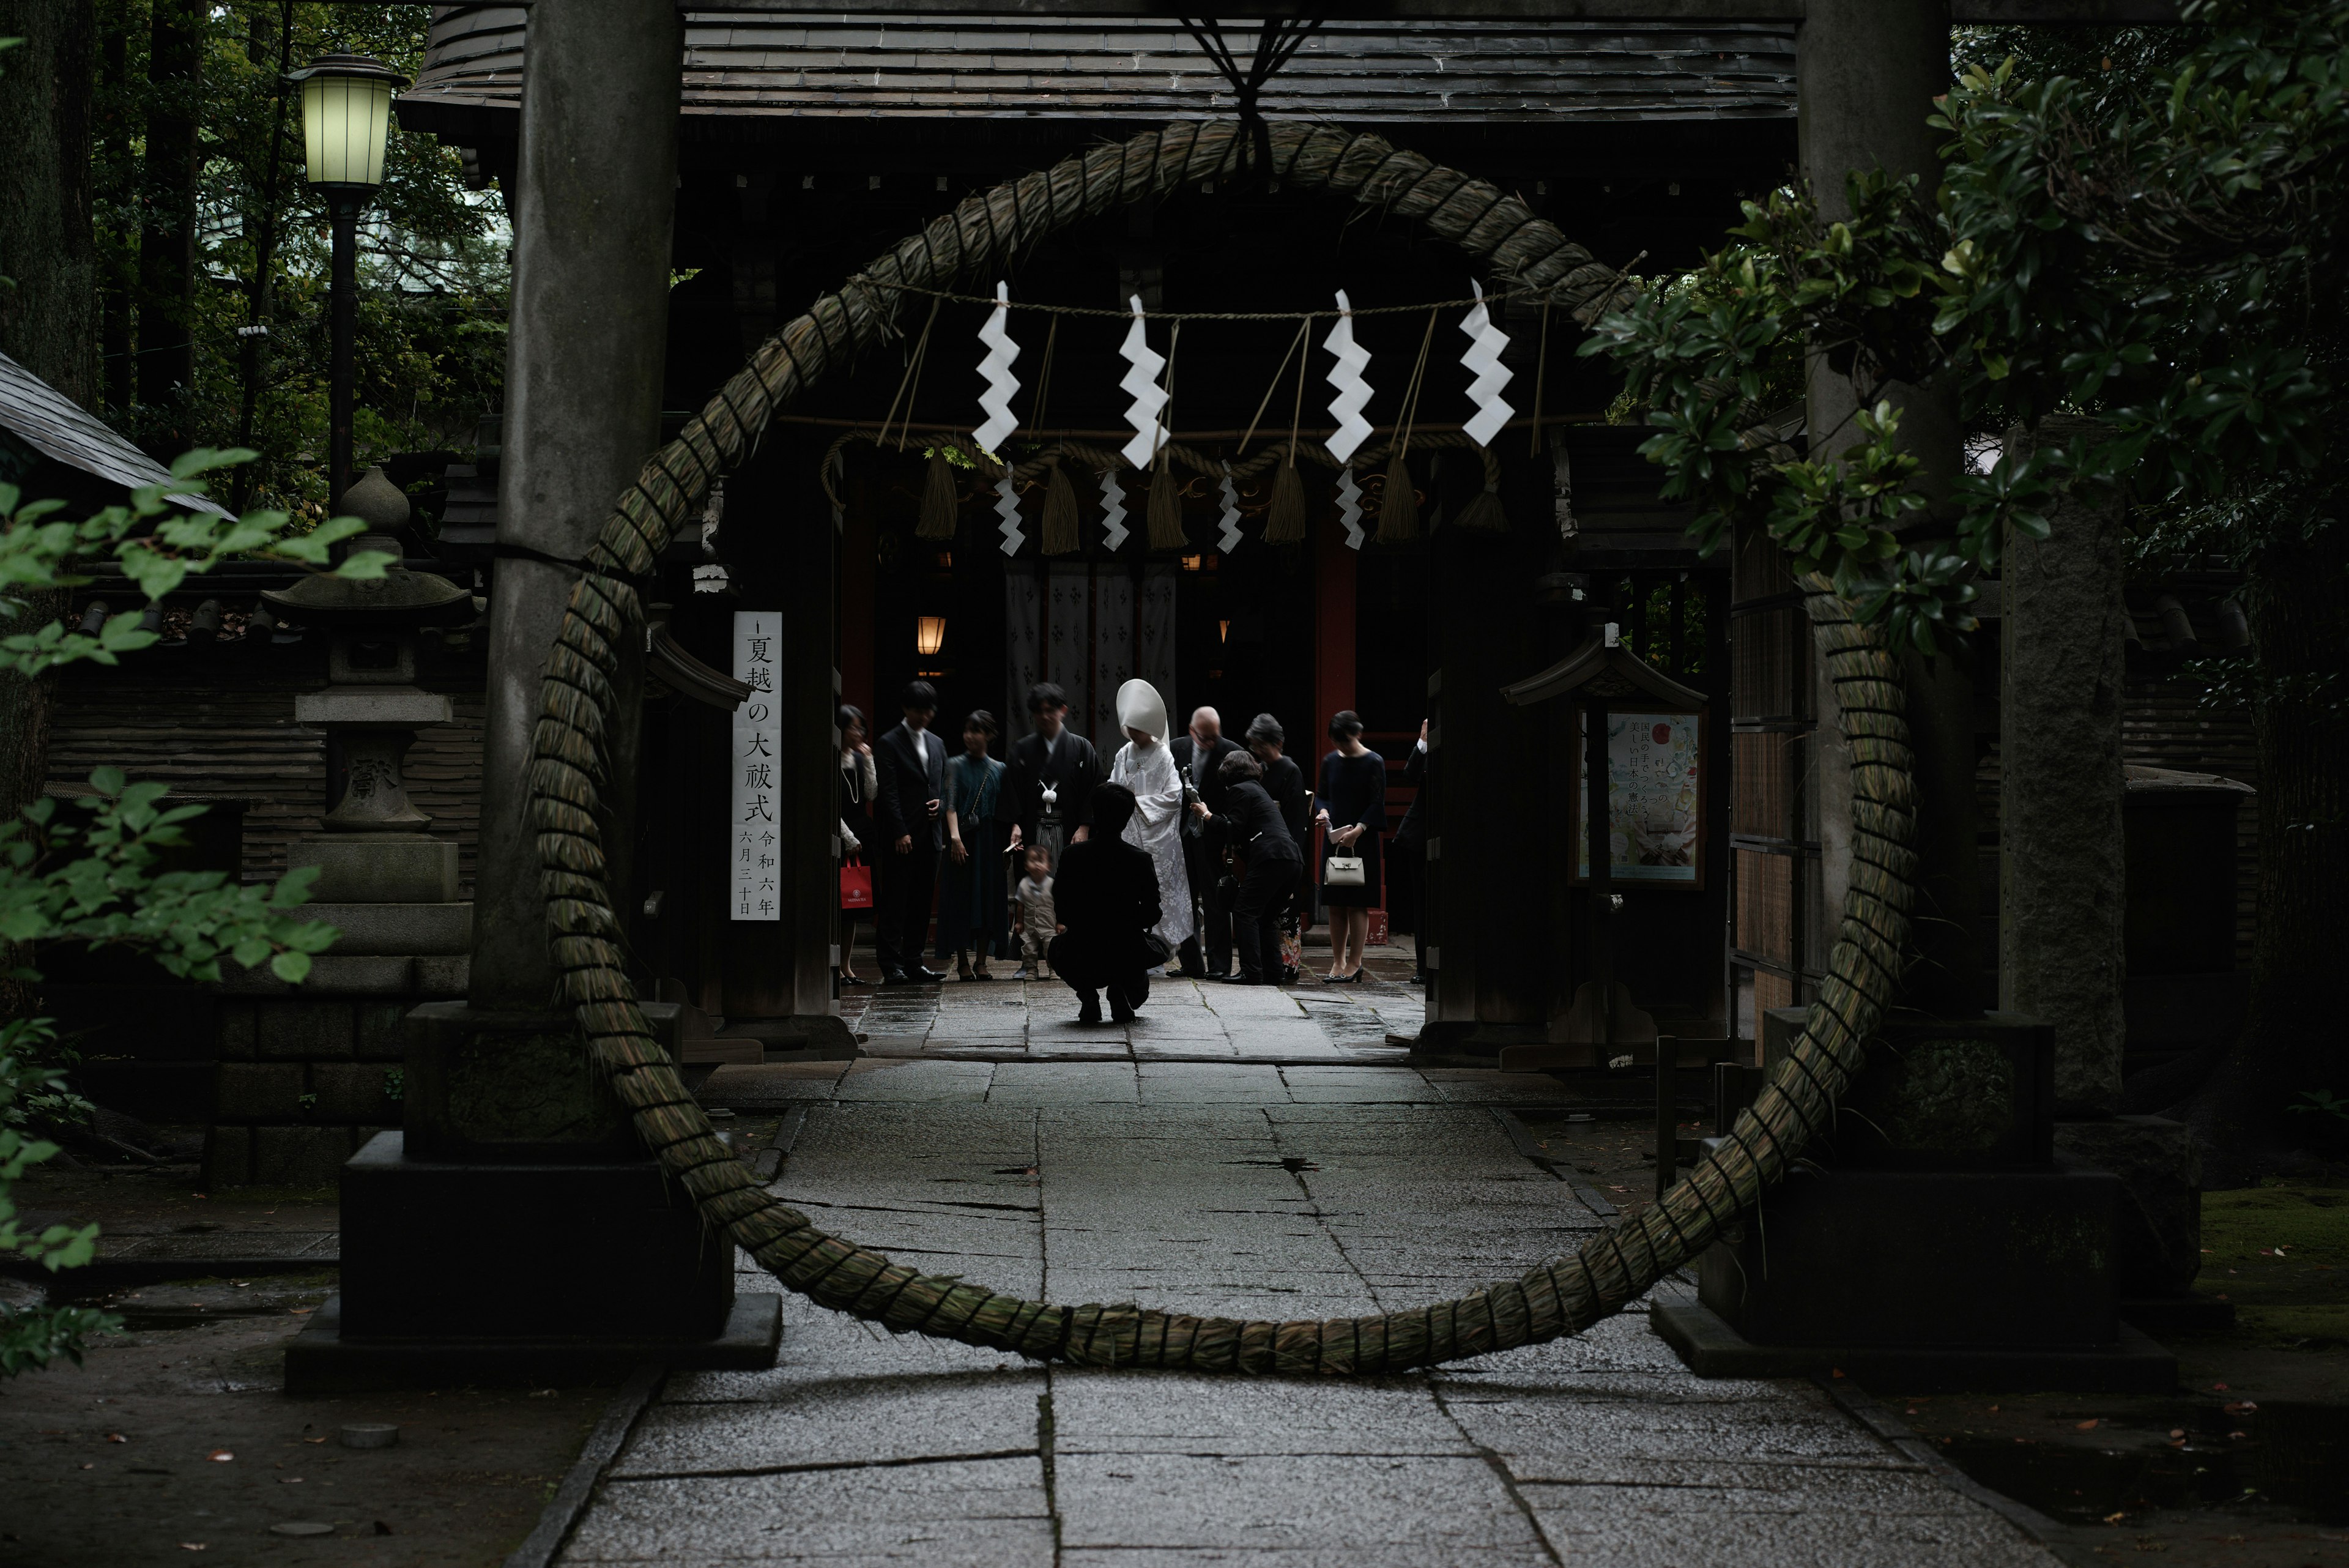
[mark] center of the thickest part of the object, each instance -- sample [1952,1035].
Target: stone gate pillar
[515,1230]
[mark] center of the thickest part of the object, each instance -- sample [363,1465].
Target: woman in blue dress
[974,919]
[1353,814]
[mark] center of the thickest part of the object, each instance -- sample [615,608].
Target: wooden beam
[1630,13]
[1627,12]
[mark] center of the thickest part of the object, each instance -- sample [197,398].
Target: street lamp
[346,118]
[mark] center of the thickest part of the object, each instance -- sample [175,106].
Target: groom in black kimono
[1050,755]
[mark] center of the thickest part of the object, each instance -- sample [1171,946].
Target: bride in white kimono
[1145,767]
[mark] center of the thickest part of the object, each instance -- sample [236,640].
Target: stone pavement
[1312,1187]
[1185,1021]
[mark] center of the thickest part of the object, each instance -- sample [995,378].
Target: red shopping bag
[855,887]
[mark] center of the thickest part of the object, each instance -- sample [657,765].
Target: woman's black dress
[1354,790]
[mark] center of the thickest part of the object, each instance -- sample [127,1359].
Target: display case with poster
[1655,799]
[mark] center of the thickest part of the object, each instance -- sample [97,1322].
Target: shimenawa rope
[569,771]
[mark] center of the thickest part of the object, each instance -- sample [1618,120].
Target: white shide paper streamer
[1141,383]
[1485,342]
[1346,375]
[997,368]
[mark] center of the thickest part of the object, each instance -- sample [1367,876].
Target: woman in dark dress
[1105,901]
[858,781]
[1354,813]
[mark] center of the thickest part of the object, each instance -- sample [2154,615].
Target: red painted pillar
[1334,601]
[1333,639]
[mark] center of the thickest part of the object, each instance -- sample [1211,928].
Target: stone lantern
[374,849]
[307,1074]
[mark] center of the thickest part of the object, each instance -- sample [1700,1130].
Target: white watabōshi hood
[1139,707]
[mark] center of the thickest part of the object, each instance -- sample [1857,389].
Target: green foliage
[432,261]
[159,545]
[85,871]
[2321,1102]
[2159,251]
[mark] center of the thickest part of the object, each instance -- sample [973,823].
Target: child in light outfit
[1036,924]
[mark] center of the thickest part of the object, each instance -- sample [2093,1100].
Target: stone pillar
[583,397]
[515,1230]
[2062,864]
[1869,71]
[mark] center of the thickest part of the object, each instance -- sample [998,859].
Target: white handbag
[1343,871]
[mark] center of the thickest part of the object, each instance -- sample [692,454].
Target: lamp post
[346,119]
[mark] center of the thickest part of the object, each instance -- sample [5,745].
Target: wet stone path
[1184,1021]
[1252,1184]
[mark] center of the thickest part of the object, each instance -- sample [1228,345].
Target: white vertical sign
[758,846]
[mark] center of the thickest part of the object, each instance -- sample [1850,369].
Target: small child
[1036,924]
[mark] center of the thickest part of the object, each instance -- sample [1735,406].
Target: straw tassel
[1284,519]
[1166,509]
[1484,514]
[1060,514]
[941,507]
[1399,508]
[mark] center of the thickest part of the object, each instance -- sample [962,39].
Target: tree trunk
[167,239]
[45,192]
[46,312]
[117,247]
[2291,1042]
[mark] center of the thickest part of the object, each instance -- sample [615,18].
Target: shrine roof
[851,66]
[56,427]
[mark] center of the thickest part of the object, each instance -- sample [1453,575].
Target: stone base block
[514,1084]
[2161,1223]
[1976,1093]
[379,869]
[2131,1363]
[324,1361]
[370,928]
[1949,1260]
[452,1250]
[826,1035]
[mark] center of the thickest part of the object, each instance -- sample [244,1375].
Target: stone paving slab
[1274,1190]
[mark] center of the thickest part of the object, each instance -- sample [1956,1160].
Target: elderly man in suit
[1051,756]
[1199,757]
[912,763]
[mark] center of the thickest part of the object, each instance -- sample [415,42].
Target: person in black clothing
[1052,756]
[1409,873]
[1283,781]
[1354,811]
[1250,826]
[913,787]
[1197,756]
[1105,901]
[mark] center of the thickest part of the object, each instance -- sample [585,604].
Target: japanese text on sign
[757,848]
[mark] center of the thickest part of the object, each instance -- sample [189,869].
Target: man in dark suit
[1198,757]
[1052,756]
[905,806]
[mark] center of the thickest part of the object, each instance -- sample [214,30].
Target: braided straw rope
[1108,460]
[569,768]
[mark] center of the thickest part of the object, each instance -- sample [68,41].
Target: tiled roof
[56,427]
[849,66]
